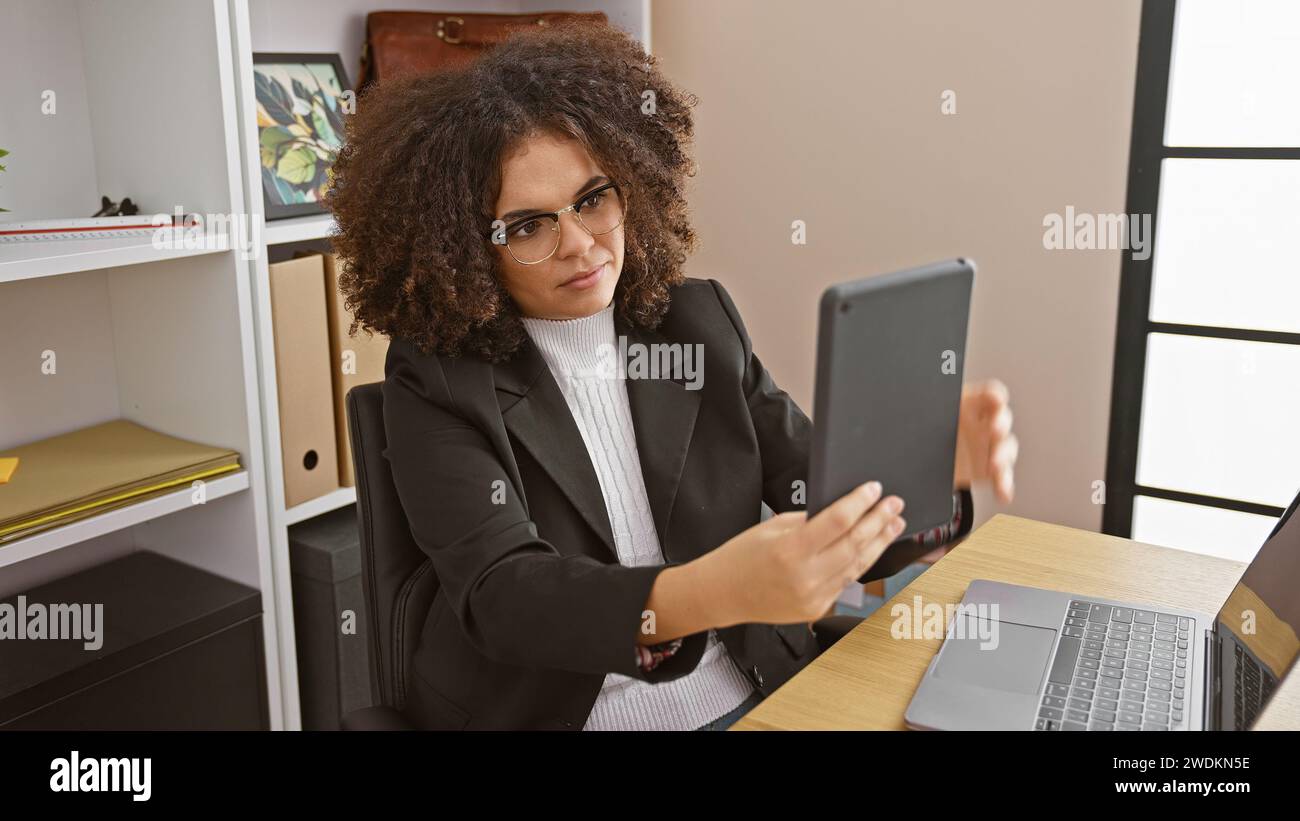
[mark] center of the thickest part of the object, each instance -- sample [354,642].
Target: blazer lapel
[536,414]
[663,414]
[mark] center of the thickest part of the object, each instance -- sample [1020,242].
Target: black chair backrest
[398,578]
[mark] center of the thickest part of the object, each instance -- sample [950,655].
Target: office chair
[398,578]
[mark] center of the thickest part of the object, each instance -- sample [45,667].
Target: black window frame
[1147,151]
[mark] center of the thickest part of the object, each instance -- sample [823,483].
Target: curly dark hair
[416,182]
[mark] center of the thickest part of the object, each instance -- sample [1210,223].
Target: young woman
[518,229]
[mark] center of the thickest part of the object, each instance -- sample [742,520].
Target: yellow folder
[94,469]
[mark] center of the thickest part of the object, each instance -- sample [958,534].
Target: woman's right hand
[791,569]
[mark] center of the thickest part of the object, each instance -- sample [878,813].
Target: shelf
[333,500]
[298,229]
[42,258]
[50,540]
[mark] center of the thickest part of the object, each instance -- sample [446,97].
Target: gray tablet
[890,356]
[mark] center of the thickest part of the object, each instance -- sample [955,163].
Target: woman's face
[547,173]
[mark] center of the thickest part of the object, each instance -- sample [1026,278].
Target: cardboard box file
[356,360]
[302,372]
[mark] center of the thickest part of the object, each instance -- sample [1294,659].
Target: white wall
[340,25]
[40,50]
[832,115]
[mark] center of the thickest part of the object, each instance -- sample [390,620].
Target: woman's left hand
[986,447]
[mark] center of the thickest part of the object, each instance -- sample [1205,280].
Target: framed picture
[301,101]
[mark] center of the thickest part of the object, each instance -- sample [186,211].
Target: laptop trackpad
[997,655]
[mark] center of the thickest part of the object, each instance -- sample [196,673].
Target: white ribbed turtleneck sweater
[571,348]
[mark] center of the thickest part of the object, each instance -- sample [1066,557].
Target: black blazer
[534,608]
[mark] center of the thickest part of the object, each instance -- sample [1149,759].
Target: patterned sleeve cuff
[963,510]
[651,656]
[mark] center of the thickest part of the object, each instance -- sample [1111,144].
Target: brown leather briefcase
[401,42]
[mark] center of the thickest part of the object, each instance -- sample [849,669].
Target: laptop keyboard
[1117,668]
[1252,688]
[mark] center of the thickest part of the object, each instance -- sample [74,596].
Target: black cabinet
[333,662]
[181,649]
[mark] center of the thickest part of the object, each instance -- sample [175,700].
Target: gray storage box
[333,666]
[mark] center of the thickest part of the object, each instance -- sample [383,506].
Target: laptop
[1024,658]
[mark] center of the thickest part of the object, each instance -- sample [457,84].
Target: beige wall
[829,111]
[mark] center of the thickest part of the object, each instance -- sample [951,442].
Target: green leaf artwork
[300,129]
[270,141]
[298,165]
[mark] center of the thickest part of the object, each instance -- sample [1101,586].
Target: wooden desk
[865,681]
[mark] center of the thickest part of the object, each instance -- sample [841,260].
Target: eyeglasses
[534,238]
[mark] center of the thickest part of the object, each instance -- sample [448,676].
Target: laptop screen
[1258,627]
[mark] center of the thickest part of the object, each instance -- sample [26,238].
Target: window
[1205,408]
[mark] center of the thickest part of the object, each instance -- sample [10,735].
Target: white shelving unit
[333,500]
[299,229]
[180,340]
[44,258]
[120,519]
[132,98]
